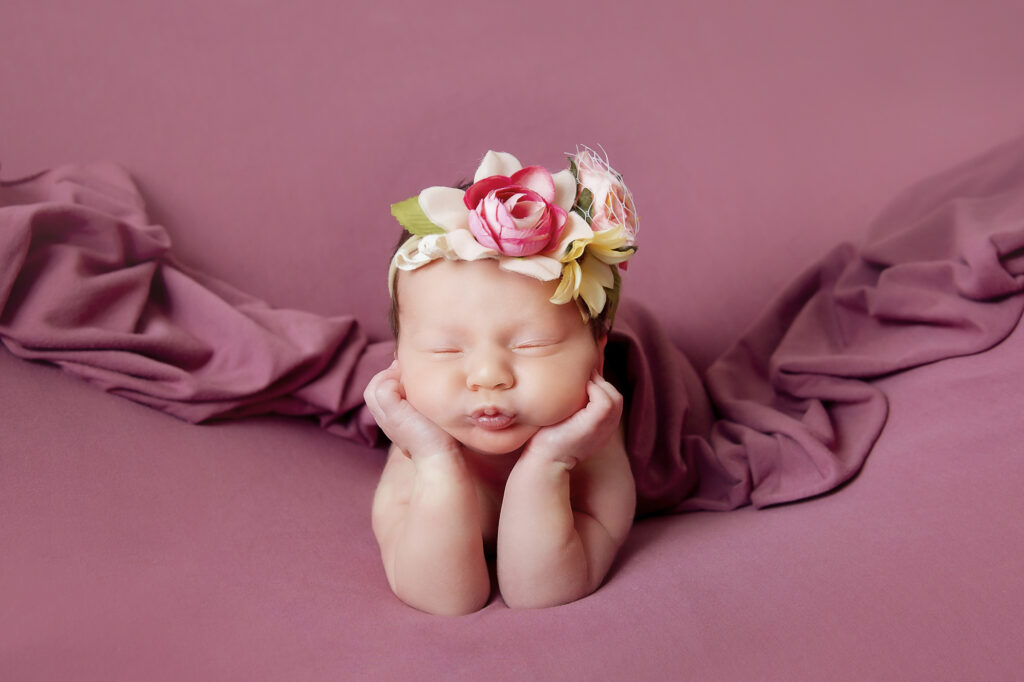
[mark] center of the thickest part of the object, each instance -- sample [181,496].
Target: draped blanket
[89,284]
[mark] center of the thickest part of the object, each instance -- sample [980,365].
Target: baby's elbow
[528,601]
[453,603]
[545,596]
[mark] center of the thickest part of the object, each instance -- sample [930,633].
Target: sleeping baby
[506,438]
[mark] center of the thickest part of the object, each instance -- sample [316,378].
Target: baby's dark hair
[599,326]
[393,312]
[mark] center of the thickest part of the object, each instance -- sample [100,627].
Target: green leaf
[413,219]
[613,296]
[584,203]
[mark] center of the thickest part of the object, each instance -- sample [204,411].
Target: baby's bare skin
[504,435]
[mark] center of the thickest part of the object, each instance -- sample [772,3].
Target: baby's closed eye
[536,346]
[438,345]
[445,351]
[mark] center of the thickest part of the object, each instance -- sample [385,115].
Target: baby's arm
[425,510]
[556,542]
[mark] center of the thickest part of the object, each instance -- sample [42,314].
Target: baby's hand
[407,428]
[584,433]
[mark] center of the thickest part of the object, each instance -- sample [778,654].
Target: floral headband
[578,225]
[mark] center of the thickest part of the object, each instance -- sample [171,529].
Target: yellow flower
[587,269]
[586,279]
[609,246]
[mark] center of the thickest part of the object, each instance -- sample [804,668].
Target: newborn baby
[505,436]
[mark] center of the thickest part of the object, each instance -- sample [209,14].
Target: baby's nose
[489,370]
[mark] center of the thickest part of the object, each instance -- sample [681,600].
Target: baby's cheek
[417,400]
[561,400]
[423,390]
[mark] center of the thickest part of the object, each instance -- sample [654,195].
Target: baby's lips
[490,411]
[493,419]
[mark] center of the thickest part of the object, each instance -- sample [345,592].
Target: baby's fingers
[605,385]
[384,393]
[400,421]
[605,401]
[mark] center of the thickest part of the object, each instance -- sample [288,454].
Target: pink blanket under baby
[88,283]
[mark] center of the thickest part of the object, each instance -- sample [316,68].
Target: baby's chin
[495,443]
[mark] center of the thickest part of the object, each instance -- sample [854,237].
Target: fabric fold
[88,284]
[940,275]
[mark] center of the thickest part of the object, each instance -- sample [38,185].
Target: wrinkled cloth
[789,412]
[89,284]
[939,275]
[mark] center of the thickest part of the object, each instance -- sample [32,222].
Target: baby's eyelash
[533,344]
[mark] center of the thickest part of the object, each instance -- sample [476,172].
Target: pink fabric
[268,138]
[136,546]
[940,275]
[89,284]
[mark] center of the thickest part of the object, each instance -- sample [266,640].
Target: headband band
[578,226]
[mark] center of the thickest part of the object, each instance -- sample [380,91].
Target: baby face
[487,357]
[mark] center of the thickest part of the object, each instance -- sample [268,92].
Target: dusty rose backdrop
[263,128]
[270,137]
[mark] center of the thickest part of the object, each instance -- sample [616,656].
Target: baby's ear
[601,343]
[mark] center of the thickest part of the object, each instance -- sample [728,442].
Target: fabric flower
[514,215]
[609,203]
[587,270]
[522,216]
[574,226]
[586,279]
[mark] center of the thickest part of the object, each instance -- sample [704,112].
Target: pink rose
[515,215]
[612,203]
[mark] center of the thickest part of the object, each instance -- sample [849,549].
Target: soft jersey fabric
[87,283]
